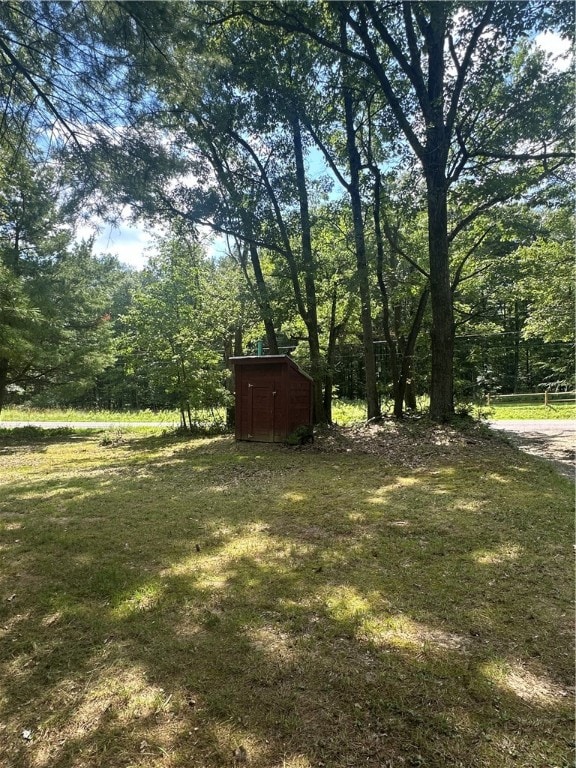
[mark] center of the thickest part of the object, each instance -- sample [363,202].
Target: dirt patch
[411,442]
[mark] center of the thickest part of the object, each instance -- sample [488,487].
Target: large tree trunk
[435,162]
[442,334]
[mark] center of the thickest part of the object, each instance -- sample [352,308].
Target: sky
[131,243]
[134,243]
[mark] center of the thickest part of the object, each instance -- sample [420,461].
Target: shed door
[261,411]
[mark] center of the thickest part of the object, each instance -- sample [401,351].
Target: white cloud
[558,47]
[130,243]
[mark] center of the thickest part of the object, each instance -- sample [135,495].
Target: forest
[380,190]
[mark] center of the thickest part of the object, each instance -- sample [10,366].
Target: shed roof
[268,360]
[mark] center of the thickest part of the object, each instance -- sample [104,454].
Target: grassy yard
[393,599]
[344,412]
[25,413]
[530,411]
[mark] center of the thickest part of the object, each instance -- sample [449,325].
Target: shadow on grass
[37,438]
[316,609]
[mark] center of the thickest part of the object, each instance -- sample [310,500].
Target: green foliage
[55,297]
[547,280]
[191,112]
[176,325]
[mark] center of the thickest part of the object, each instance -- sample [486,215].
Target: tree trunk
[434,162]
[405,392]
[233,348]
[311,318]
[407,369]
[263,301]
[328,377]
[390,339]
[442,333]
[410,395]
[517,326]
[4,367]
[362,271]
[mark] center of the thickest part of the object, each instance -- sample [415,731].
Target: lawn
[344,412]
[523,411]
[389,597]
[26,413]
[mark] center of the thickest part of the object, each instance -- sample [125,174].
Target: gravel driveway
[552,439]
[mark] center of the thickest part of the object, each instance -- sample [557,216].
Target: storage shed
[273,398]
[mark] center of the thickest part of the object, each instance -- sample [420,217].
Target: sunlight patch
[8,625]
[144,599]
[514,678]
[213,571]
[379,496]
[231,740]
[295,761]
[497,478]
[346,604]
[293,496]
[505,553]
[51,619]
[120,694]
[402,632]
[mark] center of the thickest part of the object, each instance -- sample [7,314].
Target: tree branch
[40,92]
[458,274]
[464,67]
[327,156]
[361,30]
[394,244]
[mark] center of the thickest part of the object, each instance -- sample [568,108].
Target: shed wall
[273,398]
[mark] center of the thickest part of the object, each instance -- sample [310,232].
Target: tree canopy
[379,171]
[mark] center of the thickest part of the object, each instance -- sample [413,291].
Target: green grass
[26,413]
[344,413]
[347,412]
[165,601]
[531,411]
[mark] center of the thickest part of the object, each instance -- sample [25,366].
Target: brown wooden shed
[273,398]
